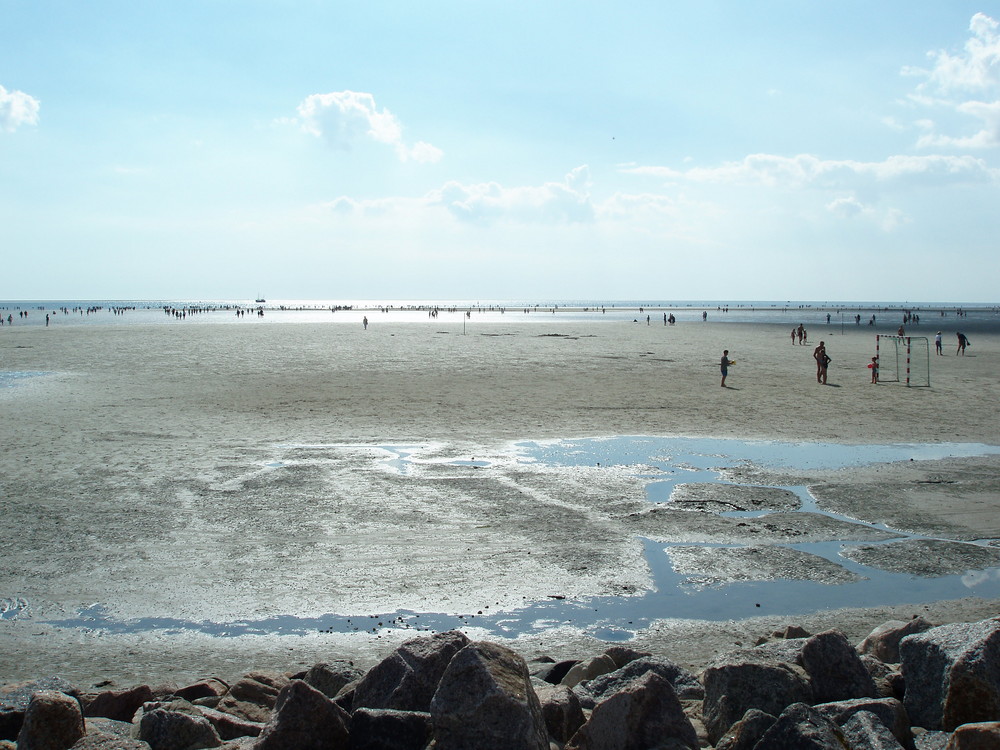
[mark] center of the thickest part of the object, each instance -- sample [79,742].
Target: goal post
[903,359]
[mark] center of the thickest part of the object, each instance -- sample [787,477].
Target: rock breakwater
[909,684]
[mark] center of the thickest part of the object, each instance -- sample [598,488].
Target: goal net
[903,359]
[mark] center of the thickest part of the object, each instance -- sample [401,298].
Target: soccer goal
[903,359]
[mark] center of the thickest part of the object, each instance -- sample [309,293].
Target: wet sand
[222,472]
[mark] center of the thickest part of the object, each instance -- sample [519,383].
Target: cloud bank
[967,84]
[346,118]
[16,109]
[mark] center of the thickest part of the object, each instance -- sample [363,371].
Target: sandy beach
[212,473]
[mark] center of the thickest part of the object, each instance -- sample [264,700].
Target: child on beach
[874,369]
[724,366]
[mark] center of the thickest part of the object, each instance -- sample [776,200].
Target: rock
[485,700]
[746,733]
[554,673]
[952,674]
[230,726]
[176,725]
[622,655]
[800,727]
[887,678]
[407,678]
[305,719]
[745,679]
[645,714]
[561,711]
[212,687]
[835,670]
[253,696]
[14,700]
[331,678]
[883,641]
[930,740]
[52,721]
[889,711]
[102,741]
[976,736]
[387,729]
[791,631]
[100,725]
[684,683]
[865,731]
[120,705]
[589,669]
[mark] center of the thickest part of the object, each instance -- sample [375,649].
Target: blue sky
[471,150]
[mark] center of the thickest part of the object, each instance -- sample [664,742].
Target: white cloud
[806,170]
[346,118]
[16,109]
[850,208]
[551,202]
[975,72]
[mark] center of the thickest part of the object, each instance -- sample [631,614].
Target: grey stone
[931,740]
[120,705]
[952,674]
[230,726]
[835,670]
[800,727]
[52,721]
[485,700]
[866,731]
[211,687]
[622,655]
[887,678]
[406,679]
[746,733]
[305,719]
[100,725]
[889,711]
[684,683]
[645,714]
[177,725]
[388,729]
[589,669]
[14,700]
[253,696]
[331,678]
[561,710]
[883,641]
[553,673]
[104,741]
[745,679]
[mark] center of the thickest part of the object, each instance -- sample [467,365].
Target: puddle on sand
[10,378]
[666,462]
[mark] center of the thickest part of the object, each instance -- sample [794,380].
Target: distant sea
[888,315]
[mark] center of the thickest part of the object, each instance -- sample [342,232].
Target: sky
[544,150]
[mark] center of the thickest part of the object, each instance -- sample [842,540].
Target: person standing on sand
[937,343]
[724,366]
[364,322]
[822,361]
[874,369]
[963,341]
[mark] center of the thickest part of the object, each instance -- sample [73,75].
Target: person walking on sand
[819,354]
[963,341]
[724,366]
[364,322]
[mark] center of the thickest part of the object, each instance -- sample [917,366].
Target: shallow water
[666,462]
